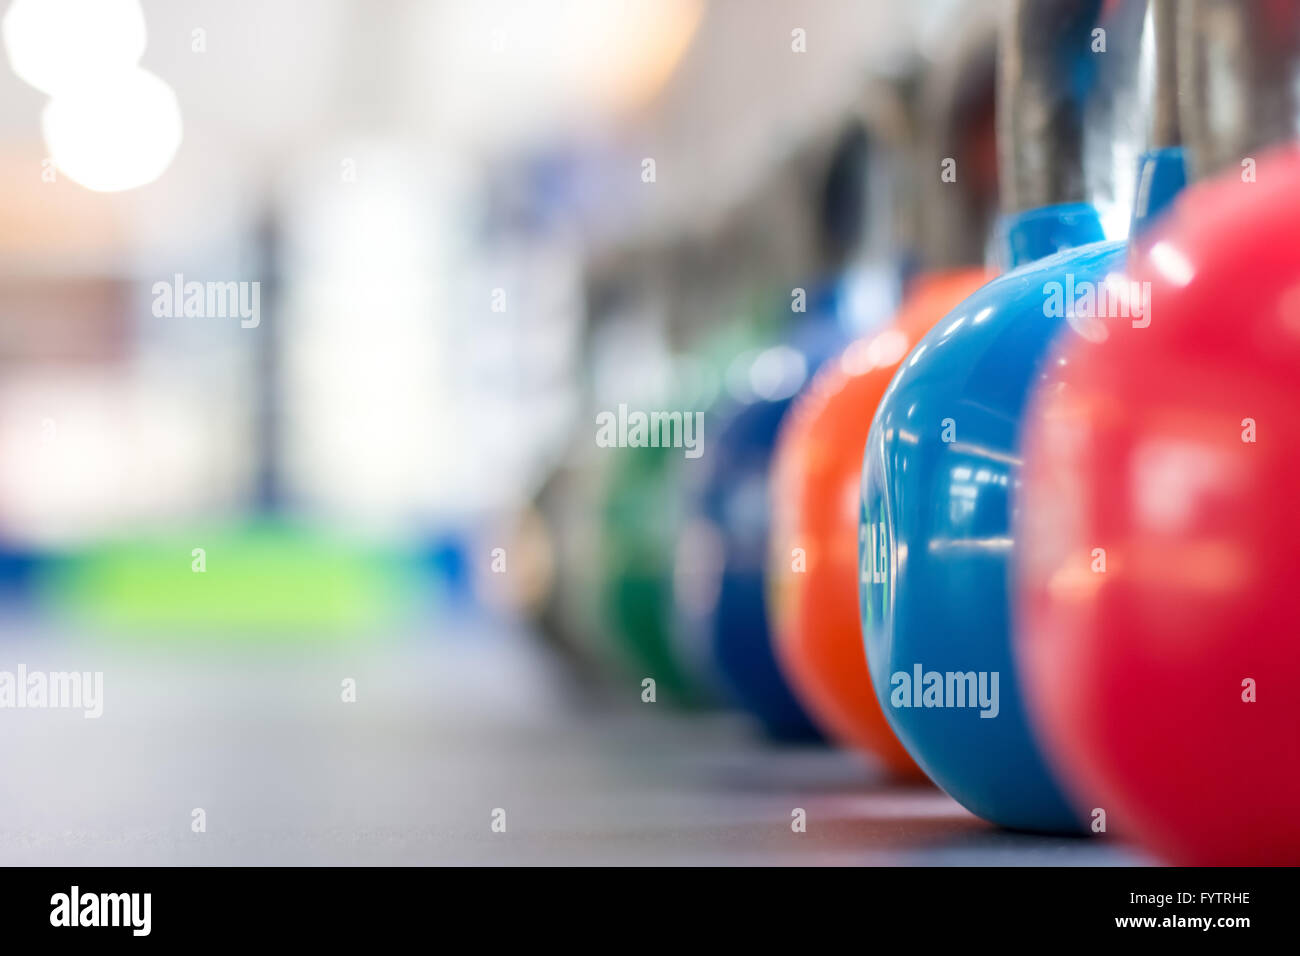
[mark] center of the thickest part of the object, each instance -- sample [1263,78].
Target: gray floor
[449,725]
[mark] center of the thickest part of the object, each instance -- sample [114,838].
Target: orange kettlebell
[812,580]
[816,483]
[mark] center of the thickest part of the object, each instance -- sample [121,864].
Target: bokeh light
[117,134]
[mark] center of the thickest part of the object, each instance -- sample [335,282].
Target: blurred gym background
[460,254]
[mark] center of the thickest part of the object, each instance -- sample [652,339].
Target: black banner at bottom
[373,905]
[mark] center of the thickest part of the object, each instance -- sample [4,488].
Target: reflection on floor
[449,726]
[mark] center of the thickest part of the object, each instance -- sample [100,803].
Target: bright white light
[778,373]
[63,45]
[871,296]
[1115,217]
[887,348]
[120,133]
[1172,264]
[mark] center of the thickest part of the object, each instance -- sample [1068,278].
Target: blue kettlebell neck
[1037,233]
[1028,236]
[1161,176]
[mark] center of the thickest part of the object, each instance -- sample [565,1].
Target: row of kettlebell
[1030,534]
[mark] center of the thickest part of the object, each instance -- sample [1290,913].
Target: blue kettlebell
[940,469]
[721,621]
[724,624]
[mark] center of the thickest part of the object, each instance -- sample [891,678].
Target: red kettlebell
[1159,618]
